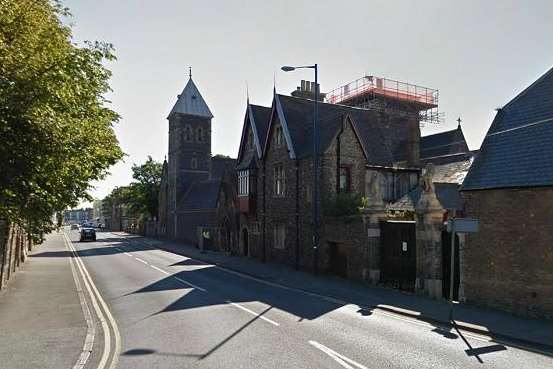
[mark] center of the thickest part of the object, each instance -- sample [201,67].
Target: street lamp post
[315,192]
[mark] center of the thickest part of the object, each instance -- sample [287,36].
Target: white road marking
[95,298]
[190,284]
[126,253]
[339,358]
[159,269]
[142,261]
[253,313]
[90,330]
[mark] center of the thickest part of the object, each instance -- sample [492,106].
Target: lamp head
[288,68]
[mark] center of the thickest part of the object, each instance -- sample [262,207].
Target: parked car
[74,226]
[88,234]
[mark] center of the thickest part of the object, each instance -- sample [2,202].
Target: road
[168,311]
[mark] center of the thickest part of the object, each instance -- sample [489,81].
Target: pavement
[171,310]
[42,324]
[532,333]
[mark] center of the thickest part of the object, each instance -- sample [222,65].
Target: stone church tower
[189,155]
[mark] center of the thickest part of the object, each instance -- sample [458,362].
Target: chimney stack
[306,89]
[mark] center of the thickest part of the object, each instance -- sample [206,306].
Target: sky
[478,54]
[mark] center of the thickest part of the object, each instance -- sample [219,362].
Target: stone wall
[14,246]
[508,264]
[281,210]
[349,234]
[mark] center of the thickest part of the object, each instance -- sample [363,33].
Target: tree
[140,197]
[145,189]
[56,131]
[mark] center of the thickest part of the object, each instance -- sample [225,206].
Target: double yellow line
[102,312]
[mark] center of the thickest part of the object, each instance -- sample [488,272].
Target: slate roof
[454,172]
[443,143]
[382,137]
[219,164]
[258,117]
[191,102]
[201,195]
[518,148]
[447,193]
[261,115]
[447,179]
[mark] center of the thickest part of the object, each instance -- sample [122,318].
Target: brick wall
[509,263]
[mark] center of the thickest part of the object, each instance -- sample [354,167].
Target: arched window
[187,133]
[194,163]
[199,134]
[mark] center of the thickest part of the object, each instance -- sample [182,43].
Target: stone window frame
[243,183]
[194,163]
[279,136]
[279,236]
[346,168]
[199,134]
[279,180]
[188,133]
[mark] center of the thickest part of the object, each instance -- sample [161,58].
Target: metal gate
[399,251]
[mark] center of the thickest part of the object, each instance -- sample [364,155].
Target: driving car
[88,234]
[74,226]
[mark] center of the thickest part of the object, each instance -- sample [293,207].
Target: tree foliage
[56,131]
[145,189]
[140,197]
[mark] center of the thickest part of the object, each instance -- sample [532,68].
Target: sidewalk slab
[496,324]
[41,319]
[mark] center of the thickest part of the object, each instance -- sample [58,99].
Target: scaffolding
[384,94]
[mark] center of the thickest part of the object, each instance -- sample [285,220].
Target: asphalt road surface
[170,311]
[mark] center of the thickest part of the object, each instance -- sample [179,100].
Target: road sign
[463,225]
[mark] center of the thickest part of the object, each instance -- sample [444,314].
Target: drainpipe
[338,147]
[263,241]
[297,216]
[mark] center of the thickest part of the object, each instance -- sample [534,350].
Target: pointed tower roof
[191,102]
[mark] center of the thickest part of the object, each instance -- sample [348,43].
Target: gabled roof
[518,148]
[443,143]
[257,117]
[201,195]
[191,102]
[382,137]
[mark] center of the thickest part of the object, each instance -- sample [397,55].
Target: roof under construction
[375,93]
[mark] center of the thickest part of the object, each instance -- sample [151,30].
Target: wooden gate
[398,256]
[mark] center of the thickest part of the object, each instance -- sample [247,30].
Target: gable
[278,118]
[518,148]
[348,138]
[443,143]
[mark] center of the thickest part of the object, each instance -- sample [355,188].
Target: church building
[192,178]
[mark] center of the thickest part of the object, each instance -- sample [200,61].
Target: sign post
[457,225]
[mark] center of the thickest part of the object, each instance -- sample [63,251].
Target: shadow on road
[142,351]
